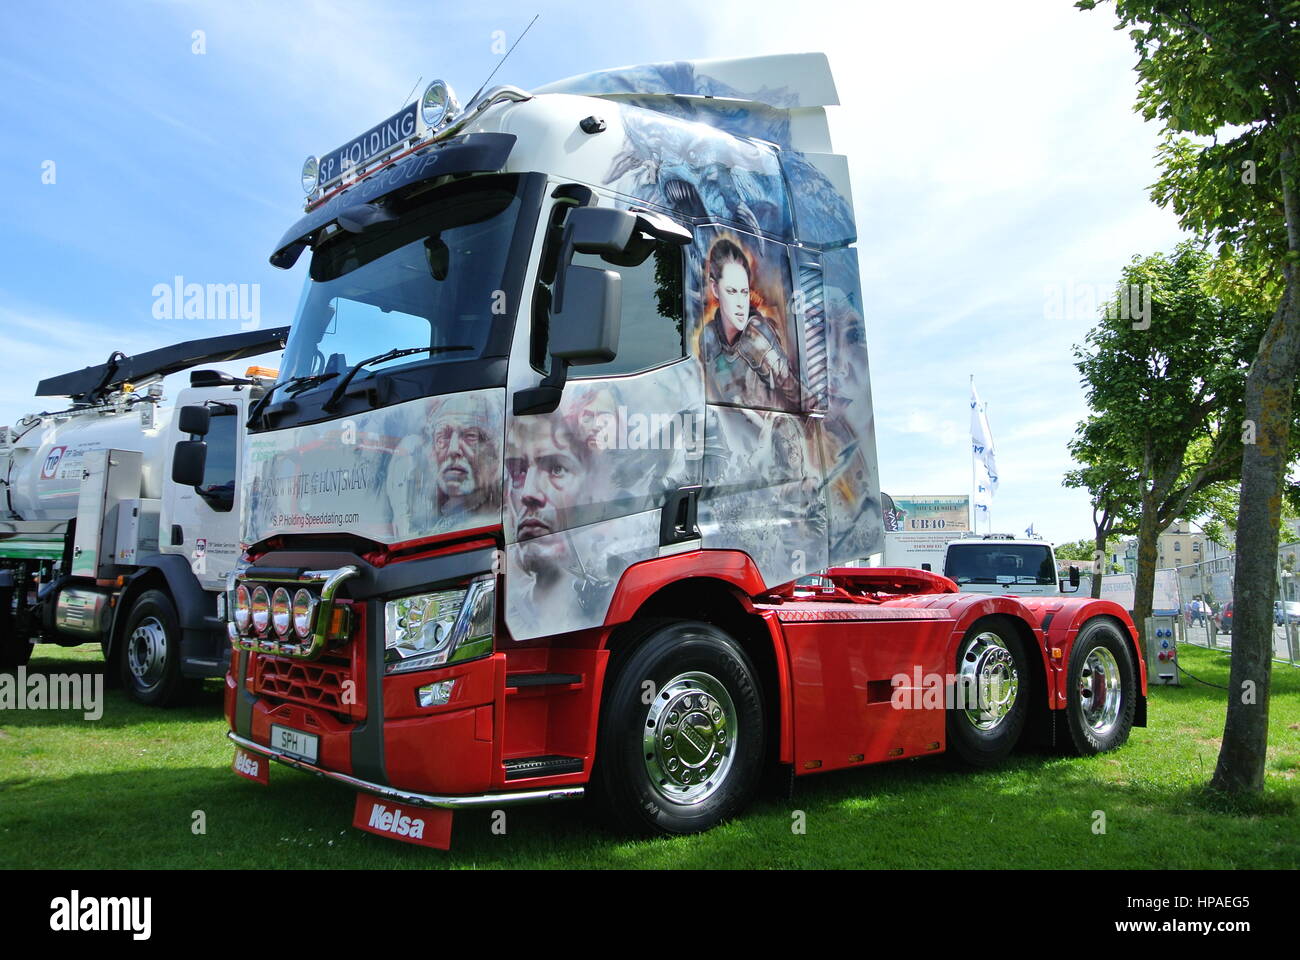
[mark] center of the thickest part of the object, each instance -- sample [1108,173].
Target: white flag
[981,441]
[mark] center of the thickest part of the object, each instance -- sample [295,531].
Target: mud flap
[251,766]
[424,826]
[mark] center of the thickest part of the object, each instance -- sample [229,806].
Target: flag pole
[974,516]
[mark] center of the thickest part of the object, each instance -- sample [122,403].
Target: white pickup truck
[997,563]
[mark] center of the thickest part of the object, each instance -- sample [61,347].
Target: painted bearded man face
[732,290]
[459,446]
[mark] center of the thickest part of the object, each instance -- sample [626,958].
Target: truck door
[202,523]
[585,486]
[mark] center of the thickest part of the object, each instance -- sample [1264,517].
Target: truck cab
[1001,564]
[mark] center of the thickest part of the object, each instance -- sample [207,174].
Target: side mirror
[1074,576]
[586,329]
[195,420]
[925,566]
[188,462]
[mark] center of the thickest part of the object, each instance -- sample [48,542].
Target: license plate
[302,745]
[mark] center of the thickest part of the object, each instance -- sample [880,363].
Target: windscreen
[435,278]
[985,562]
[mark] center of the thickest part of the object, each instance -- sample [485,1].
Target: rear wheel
[1101,689]
[150,658]
[992,693]
[681,734]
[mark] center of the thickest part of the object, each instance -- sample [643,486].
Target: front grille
[313,684]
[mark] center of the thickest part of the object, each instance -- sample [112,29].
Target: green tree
[1166,393]
[1226,73]
[1114,490]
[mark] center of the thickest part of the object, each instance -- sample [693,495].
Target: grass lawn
[122,791]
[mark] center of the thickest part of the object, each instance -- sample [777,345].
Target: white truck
[999,564]
[99,544]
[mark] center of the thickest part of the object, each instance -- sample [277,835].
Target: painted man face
[546,479]
[459,442]
[732,290]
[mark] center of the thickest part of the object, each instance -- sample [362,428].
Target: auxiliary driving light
[310,174]
[243,608]
[261,610]
[280,607]
[304,608]
[438,104]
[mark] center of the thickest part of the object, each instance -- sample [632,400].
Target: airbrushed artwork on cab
[763,491]
[700,172]
[391,475]
[744,339]
[584,489]
[849,429]
[822,213]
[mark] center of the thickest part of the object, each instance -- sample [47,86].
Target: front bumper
[445,802]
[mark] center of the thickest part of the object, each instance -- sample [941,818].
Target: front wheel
[991,697]
[1101,690]
[681,733]
[150,659]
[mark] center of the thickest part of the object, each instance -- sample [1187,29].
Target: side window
[651,329]
[218,487]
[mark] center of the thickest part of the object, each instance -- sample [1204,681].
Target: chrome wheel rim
[146,651]
[689,738]
[1100,693]
[989,681]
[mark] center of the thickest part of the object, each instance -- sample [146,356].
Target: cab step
[550,765]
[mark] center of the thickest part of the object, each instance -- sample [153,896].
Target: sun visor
[472,153]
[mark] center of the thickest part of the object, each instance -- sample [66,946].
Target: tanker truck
[98,544]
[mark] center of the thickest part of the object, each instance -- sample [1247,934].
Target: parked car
[1292,608]
[1225,618]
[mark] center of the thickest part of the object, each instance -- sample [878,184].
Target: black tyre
[15,650]
[112,664]
[1101,691]
[680,746]
[150,656]
[994,685]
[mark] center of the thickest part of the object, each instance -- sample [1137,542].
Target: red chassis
[850,675]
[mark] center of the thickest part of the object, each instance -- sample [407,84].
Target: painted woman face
[732,291]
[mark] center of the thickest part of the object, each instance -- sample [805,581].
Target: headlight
[304,611]
[243,608]
[261,609]
[431,629]
[280,607]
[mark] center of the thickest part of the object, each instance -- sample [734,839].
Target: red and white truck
[576,390]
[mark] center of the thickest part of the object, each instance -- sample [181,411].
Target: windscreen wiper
[310,379]
[329,405]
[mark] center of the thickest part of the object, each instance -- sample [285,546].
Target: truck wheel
[150,659]
[15,650]
[680,745]
[992,693]
[1101,690]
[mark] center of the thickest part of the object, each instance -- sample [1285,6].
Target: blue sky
[995,157]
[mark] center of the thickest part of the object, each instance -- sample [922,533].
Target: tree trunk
[1098,563]
[1148,535]
[1269,390]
